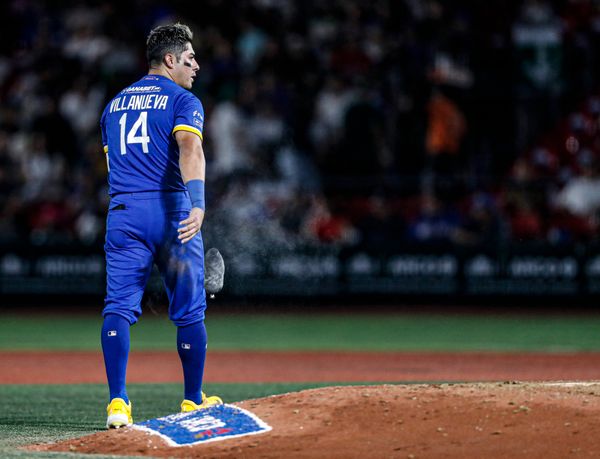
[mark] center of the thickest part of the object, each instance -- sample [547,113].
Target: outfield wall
[445,271]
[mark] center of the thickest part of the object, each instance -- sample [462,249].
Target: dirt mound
[518,420]
[34,367]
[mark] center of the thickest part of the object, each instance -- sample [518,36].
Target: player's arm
[104,138]
[193,169]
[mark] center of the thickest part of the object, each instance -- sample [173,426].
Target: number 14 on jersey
[137,134]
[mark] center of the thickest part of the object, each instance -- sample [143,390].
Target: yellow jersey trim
[185,127]
[105,148]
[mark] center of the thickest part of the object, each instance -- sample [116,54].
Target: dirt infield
[245,367]
[491,420]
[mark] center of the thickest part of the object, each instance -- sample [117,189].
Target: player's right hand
[189,227]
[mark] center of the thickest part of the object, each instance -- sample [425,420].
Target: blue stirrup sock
[115,347]
[191,346]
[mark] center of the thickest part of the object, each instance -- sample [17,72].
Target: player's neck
[160,71]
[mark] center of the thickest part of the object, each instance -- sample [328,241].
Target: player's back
[138,128]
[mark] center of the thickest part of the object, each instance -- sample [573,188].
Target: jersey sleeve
[189,115]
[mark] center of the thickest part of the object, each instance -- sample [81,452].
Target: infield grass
[353,332]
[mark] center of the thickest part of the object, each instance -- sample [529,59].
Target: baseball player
[152,137]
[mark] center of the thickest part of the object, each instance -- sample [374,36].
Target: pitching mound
[517,420]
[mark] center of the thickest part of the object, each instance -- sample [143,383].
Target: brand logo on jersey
[112,333]
[186,346]
[135,89]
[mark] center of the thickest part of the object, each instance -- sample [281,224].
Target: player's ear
[169,60]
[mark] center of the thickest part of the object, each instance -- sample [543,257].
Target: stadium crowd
[348,122]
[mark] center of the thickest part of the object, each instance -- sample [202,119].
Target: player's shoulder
[186,100]
[186,95]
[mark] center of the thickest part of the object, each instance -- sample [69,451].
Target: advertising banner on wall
[307,271]
[402,273]
[532,274]
[62,272]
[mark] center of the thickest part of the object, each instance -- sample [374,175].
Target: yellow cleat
[119,414]
[188,405]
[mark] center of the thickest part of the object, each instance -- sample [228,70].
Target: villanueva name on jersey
[139,102]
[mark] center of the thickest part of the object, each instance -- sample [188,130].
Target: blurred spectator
[484,225]
[576,205]
[524,189]
[57,131]
[88,227]
[348,60]
[82,106]
[525,222]
[435,223]
[331,105]
[381,227]
[228,132]
[312,107]
[297,169]
[446,126]
[10,175]
[49,218]
[321,225]
[85,44]
[538,40]
[11,181]
[250,45]
[581,194]
[41,171]
[265,134]
[363,149]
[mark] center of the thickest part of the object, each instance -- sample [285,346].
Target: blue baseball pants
[141,229]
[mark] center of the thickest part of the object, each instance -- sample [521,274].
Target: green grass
[44,413]
[377,332]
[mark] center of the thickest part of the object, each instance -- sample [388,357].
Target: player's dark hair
[171,38]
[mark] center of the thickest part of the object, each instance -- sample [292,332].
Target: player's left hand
[189,227]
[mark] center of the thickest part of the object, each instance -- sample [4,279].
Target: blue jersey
[138,128]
